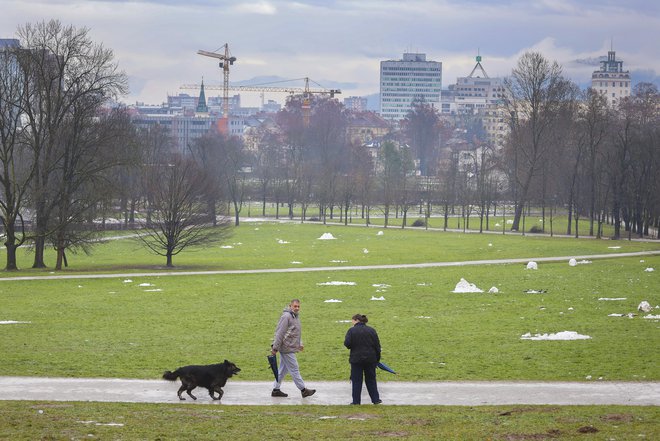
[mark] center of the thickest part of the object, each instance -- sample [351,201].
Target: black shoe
[307,392]
[378,402]
[278,393]
[355,404]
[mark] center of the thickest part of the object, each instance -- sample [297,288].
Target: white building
[611,80]
[409,79]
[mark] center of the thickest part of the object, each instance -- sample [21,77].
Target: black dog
[213,377]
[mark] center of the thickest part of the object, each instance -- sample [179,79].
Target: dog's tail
[170,376]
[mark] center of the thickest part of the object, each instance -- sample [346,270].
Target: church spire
[201,102]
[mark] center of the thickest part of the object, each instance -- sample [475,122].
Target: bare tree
[61,67]
[16,165]
[90,148]
[422,129]
[536,91]
[179,220]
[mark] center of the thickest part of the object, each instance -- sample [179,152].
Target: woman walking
[364,344]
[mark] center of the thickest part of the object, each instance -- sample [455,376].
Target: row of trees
[570,148]
[68,158]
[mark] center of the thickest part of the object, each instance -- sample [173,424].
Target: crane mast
[226,60]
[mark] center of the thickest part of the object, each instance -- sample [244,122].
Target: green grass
[55,421]
[113,328]
[256,246]
[557,224]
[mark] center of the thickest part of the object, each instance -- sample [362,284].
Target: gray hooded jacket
[288,333]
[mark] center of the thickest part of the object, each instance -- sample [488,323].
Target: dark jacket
[364,344]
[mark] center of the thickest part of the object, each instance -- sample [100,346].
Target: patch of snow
[532,266]
[365,251]
[423,317]
[509,221]
[613,298]
[614,248]
[493,290]
[424,284]
[226,246]
[145,284]
[644,306]
[381,285]
[649,270]
[12,322]
[327,236]
[498,225]
[336,283]
[465,286]
[328,417]
[642,261]
[377,298]
[280,241]
[343,321]
[339,261]
[102,424]
[380,233]
[490,244]
[655,317]
[128,281]
[563,335]
[153,290]
[615,315]
[536,291]
[295,262]
[332,301]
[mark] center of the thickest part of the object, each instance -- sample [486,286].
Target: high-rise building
[611,80]
[407,80]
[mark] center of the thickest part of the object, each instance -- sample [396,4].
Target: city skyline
[340,44]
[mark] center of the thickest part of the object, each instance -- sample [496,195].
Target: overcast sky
[340,43]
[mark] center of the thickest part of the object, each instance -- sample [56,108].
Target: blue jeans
[368,370]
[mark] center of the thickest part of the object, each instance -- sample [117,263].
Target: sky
[340,43]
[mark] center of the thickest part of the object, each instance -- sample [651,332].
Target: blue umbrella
[385,367]
[272,361]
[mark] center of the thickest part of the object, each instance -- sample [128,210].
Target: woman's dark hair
[360,318]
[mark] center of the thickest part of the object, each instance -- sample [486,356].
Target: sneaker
[307,392]
[378,402]
[278,393]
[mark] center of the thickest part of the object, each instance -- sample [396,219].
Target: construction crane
[306,92]
[225,61]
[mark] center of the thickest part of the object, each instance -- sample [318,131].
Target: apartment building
[406,80]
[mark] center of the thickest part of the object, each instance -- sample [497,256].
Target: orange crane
[225,61]
[306,92]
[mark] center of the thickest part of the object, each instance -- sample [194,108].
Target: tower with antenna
[611,80]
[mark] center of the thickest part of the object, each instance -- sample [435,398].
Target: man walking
[288,341]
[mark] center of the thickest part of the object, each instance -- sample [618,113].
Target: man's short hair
[294,301]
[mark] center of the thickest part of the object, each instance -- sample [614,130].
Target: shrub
[419,223]
[536,229]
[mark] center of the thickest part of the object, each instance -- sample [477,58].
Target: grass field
[119,421]
[136,327]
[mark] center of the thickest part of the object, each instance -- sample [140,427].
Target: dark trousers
[368,370]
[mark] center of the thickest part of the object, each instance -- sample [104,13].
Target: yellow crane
[306,92]
[226,60]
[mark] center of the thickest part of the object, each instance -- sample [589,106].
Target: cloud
[264,8]
[342,42]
